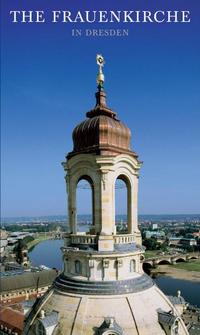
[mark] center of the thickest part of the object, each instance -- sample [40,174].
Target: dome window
[132,265]
[169,322]
[47,323]
[78,267]
[109,327]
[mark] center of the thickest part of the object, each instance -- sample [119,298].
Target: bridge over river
[170,259]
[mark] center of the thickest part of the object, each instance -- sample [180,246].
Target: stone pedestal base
[138,238]
[105,243]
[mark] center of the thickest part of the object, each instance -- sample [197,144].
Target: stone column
[106,204]
[72,207]
[135,205]
[106,241]
[130,208]
[97,205]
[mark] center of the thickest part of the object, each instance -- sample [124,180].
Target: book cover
[144,56]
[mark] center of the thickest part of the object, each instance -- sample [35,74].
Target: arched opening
[85,205]
[193,257]
[164,262]
[132,265]
[122,205]
[147,267]
[78,267]
[66,265]
[180,260]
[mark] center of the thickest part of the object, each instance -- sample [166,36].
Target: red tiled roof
[12,319]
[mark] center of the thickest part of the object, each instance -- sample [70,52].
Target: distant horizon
[65,215]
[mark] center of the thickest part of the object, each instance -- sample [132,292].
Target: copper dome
[102,133]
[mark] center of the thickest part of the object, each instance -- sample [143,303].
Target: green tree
[19,251]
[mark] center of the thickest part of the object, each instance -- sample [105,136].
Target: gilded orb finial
[100,76]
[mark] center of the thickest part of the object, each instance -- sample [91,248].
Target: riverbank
[47,253]
[176,272]
[37,240]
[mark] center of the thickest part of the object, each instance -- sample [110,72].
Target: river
[48,253]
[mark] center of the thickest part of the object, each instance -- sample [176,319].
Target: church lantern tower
[102,289]
[102,154]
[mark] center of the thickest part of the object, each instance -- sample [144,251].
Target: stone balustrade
[83,239]
[124,239]
[93,239]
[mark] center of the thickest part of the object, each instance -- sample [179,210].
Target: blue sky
[48,84]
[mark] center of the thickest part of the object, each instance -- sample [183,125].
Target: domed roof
[101,133]
[145,311]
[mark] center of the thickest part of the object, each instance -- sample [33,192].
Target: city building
[174,241]
[187,241]
[157,234]
[182,242]
[18,286]
[191,317]
[11,321]
[154,226]
[196,234]
[103,289]
[3,243]
[3,234]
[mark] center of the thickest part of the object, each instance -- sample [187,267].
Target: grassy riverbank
[37,240]
[151,253]
[185,271]
[189,266]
